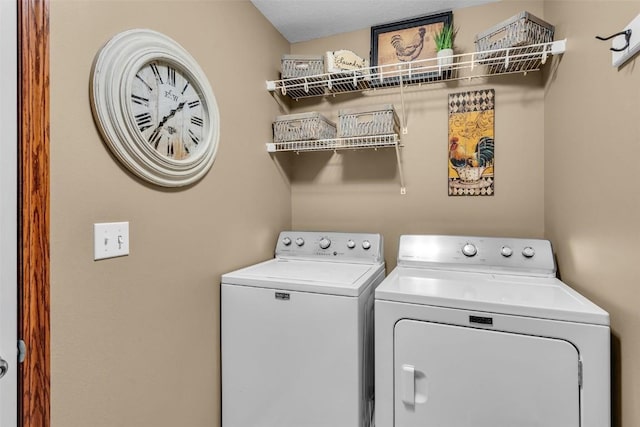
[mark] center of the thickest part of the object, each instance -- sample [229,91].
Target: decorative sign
[471,144]
[344,60]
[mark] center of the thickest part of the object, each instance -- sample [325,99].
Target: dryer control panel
[332,246]
[486,254]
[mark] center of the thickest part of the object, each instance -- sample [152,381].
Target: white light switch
[110,239]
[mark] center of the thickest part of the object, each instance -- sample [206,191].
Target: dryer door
[457,376]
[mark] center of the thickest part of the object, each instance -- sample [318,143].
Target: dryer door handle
[408,385]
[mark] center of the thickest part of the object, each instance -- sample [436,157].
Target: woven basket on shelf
[368,121]
[293,66]
[521,29]
[518,32]
[303,127]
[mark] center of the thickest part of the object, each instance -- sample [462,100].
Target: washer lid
[545,298]
[335,278]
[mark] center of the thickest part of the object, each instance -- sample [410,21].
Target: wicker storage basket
[301,66]
[369,121]
[521,29]
[299,70]
[303,127]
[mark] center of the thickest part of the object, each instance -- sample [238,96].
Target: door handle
[4,367]
[408,385]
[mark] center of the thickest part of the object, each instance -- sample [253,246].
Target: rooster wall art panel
[471,144]
[400,45]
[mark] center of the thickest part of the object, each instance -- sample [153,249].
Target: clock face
[168,111]
[155,108]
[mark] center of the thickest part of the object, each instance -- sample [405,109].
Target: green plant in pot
[444,44]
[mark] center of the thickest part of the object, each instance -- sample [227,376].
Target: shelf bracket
[405,129]
[558,47]
[403,189]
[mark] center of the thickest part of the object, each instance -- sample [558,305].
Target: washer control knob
[469,250]
[286,241]
[506,251]
[325,243]
[299,241]
[351,244]
[528,252]
[366,245]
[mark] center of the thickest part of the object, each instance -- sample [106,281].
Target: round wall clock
[155,108]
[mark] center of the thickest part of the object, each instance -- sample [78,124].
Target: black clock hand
[154,137]
[171,114]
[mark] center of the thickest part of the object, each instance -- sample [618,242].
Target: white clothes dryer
[479,332]
[297,333]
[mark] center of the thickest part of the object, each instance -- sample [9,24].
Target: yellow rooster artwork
[471,149]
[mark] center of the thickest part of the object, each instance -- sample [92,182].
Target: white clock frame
[112,75]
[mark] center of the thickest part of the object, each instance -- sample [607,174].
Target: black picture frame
[388,39]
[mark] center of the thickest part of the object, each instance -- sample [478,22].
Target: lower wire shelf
[349,143]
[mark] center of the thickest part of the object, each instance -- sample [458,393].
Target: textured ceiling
[302,20]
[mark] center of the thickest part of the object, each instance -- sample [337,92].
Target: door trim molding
[33,199]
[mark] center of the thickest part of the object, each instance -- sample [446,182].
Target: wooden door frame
[33,205]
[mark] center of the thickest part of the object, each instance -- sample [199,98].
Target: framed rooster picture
[471,143]
[399,45]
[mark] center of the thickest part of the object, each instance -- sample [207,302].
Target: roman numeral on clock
[155,137]
[193,104]
[140,100]
[194,137]
[197,121]
[143,120]
[156,72]
[144,82]
[171,76]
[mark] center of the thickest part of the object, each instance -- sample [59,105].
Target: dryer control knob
[286,241]
[299,241]
[528,252]
[351,244]
[469,250]
[506,251]
[366,245]
[325,243]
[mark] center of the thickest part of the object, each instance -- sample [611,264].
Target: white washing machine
[479,332]
[297,333]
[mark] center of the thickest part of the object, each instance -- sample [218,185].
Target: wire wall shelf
[334,144]
[522,59]
[351,143]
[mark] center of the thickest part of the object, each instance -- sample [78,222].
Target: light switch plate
[110,239]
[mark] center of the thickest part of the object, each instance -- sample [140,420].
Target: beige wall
[361,191]
[135,340]
[592,200]
[565,167]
